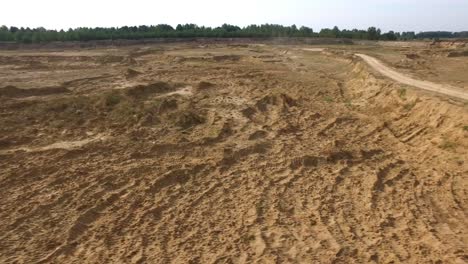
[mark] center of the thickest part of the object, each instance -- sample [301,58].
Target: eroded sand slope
[225,154]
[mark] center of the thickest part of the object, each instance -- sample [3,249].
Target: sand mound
[149,89]
[227,58]
[189,119]
[203,85]
[412,56]
[281,101]
[462,53]
[167,105]
[131,73]
[452,44]
[14,92]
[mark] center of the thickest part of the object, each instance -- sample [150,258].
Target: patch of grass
[124,111]
[446,144]
[248,238]
[465,128]
[458,160]
[204,85]
[402,93]
[64,112]
[409,106]
[112,99]
[69,107]
[328,99]
[56,106]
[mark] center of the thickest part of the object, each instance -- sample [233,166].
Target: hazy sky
[398,15]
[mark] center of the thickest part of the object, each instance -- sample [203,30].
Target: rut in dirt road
[434,87]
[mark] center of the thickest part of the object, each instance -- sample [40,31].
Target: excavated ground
[225,154]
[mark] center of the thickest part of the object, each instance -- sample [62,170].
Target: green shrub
[328,99]
[409,106]
[402,93]
[446,144]
[112,99]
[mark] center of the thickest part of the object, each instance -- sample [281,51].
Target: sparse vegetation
[204,85]
[348,103]
[447,144]
[112,98]
[328,99]
[409,106]
[402,93]
[124,111]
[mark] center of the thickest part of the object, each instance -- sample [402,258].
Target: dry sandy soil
[230,154]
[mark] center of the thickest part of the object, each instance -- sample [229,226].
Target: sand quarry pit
[231,154]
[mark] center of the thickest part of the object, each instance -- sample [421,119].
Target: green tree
[336,32]
[373,33]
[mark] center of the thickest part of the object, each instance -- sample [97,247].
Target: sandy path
[314,49]
[434,87]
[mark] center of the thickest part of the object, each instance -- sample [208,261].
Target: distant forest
[38,35]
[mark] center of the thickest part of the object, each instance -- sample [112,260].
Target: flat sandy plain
[221,153]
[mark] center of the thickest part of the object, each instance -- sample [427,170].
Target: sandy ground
[226,154]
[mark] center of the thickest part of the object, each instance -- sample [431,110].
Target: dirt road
[434,87]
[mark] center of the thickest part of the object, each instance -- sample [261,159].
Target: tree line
[39,35]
